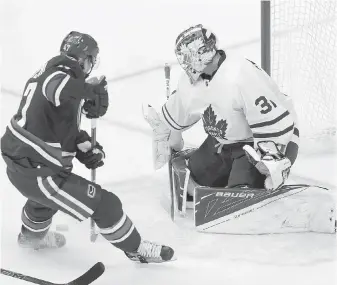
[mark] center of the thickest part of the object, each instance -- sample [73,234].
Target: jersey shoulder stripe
[53,86]
[270,122]
[274,134]
[171,121]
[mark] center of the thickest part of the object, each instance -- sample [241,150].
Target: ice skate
[50,240]
[149,252]
[189,201]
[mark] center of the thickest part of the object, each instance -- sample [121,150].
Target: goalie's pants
[80,199]
[229,168]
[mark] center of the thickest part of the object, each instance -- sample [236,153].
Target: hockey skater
[41,141]
[236,177]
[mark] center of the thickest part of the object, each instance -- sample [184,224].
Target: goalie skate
[149,252]
[50,240]
[183,183]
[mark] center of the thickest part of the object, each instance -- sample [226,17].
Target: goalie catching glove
[97,106]
[162,138]
[91,157]
[270,162]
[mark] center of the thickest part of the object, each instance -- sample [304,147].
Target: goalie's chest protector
[219,102]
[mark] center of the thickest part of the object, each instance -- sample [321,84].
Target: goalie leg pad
[183,182]
[290,209]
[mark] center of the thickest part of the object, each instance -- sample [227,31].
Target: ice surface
[230,259]
[308,259]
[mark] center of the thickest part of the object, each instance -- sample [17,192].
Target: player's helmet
[81,47]
[195,49]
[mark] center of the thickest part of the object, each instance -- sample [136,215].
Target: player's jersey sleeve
[54,87]
[269,113]
[277,124]
[288,103]
[63,80]
[67,128]
[177,112]
[60,86]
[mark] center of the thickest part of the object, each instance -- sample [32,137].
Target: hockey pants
[229,168]
[78,198]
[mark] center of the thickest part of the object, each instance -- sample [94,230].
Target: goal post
[299,51]
[265,36]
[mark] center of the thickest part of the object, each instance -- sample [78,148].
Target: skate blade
[152,261]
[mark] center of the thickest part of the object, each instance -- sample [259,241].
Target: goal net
[304,64]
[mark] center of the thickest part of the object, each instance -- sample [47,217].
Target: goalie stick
[87,278]
[167,70]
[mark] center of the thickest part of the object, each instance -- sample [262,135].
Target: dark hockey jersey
[46,127]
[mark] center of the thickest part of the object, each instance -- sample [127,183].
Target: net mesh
[304,64]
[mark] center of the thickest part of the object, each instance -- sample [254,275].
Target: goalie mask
[195,49]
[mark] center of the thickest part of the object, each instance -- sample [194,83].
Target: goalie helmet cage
[299,51]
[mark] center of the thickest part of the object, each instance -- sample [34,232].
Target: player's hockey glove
[91,157]
[97,106]
[270,162]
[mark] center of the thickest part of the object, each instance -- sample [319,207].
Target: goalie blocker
[289,209]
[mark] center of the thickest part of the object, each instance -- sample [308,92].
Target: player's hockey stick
[167,70]
[87,278]
[93,232]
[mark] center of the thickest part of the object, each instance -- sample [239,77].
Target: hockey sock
[123,235]
[32,227]
[115,225]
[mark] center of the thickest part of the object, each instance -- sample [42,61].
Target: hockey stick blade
[90,276]
[85,279]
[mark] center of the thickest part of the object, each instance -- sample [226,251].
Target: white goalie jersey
[240,104]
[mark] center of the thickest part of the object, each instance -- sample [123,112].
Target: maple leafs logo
[222,127]
[211,126]
[209,117]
